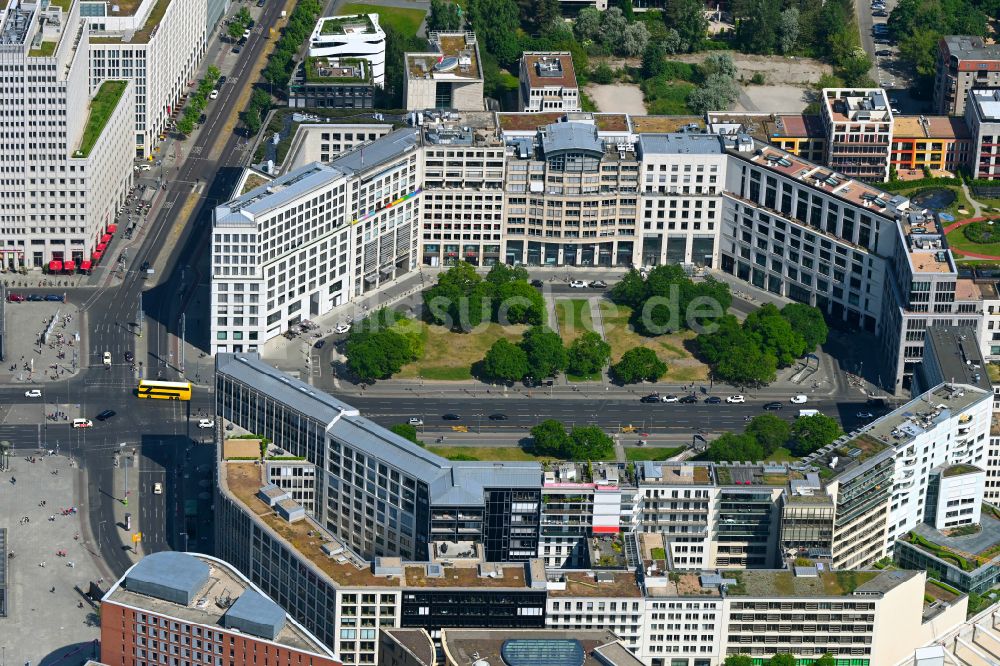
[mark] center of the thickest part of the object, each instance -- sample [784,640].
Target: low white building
[358,36]
[547,82]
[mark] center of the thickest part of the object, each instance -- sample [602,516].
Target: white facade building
[357,36]
[158,48]
[547,82]
[63,173]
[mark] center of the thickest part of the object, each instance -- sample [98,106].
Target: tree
[813,432]
[406,431]
[630,290]
[919,48]
[770,431]
[687,18]
[495,22]
[185,125]
[746,365]
[588,354]
[543,14]
[602,74]
[825,660]
[235,30]
[672,42]
[717,93]
[251,118]
[738,660]
[588,24]
[783,659]
[736,448]
[545,351]
[613,26]
[374,352]
[639,364]
[719,63]
[808,322]
[549,438]
[457,300]
[788,30]
[590,443]
[444,16]
[653,60]
[757,25]
[625,6]
[715,346]
[773,333]
[243,17]
[505,361]
[635,39]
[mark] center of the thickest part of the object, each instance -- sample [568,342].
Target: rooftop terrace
[456,59]
[359,24]
[968,552]
[102,106]
[603,584]
[780,583]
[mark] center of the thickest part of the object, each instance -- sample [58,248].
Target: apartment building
[308,241]
[200,609]
[337,41]
[982,115]
[65,173]
[332,83]
[449,77]
[158,46]
[801,135]
[859,129]
[964,62]
[937,143]
[547,82]
[322,142]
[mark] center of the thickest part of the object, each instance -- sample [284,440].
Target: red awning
[55,265]
[101,247]
[112,228]
[69,265]
[84,265]
[106,238]
[600,529]
[97,256]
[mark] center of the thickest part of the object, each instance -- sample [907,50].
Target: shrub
[982,232]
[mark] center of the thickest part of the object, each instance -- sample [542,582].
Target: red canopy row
[112,228]
[106,238]
[85,265]
[97,255]
[55,266]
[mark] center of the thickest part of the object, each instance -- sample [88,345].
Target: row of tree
[750,354]
[766,433]
[783,659]
[299,27]
[550,438]
[239,24]
[462,299]
[197,101]
[667,300]
[379,346]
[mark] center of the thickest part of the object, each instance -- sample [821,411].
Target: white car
[83,423]
[157,488]
[213,95]
[33,393]
[670,398]
[733,399]
[578,284]
[206,423]
[414,421]
[342,328]
[107,358]
[799,399]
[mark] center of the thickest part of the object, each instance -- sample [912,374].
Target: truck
[808,412]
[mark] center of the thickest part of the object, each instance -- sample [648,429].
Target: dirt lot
[777,70]
[617,98]
[772,99]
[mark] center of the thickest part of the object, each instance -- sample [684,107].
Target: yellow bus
[164,390]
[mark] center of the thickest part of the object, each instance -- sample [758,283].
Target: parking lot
[42,342]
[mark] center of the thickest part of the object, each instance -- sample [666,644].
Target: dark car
[689,399]
[53,297]
[451,417]
[880,13]
[883,53]
[15,298]
[598,284]
[865,415]
[319,344]
[221,81]
[35,297]
[129,357]
[105,415]
[650,398]
[773,406]
[713,400]
[202,118]
[498,417]
[538,284]
[260,3]
[237,49]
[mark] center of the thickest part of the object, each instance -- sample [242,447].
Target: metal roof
[571,136]
[276,194]
[677,143]
[467,480]
[300,396]
[168,575]
[386,445]
[380,150]
[255,614]
[543,652]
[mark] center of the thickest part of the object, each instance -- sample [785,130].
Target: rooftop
[966,47]
[379,151]
[665,124]
[987,102]
[527,122]
[767,127]
[916,417]
[857,105]
[676,144]
[207,591]
[967,552]
[260,201]
[417,641]
[102,106]
[685,472]
[660,583]
[957,355]
[456,58]
[547,70]
[780,583]
[359,24]
[320,69]
[602,584]
[526,647]
[929,127]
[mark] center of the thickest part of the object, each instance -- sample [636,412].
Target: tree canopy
[770,431]
[734,447]
[406,431]
[462,299]
[812,432]
[505,362]
[549,438]
[668,300]
[545,352]
[638,365]
[381,344]
[445,16]
[588,354]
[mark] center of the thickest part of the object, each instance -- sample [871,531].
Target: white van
[808,412]
[83,423]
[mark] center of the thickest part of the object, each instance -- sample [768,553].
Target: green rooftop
[61,4]
[101,108]
[337,70]
[342,25]
[779,583]
[152,22]
[959,470]
[44,50]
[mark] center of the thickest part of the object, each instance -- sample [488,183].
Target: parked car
[202,118]
[221,81]
[206,423]
[214,94]
[883,53]
[670,398]
[342,328]
[15,298]
[688,399]
[880,13]
[799,399]
[414,421]
[246,34]
[649,398]
[773,406]
[237,49]
[129,357]
[83,423]
[319,344]
[54,297]
[35,297]
[598,284]
[451,417]
[736,399]
[865,415]
[883,41]
[157,488]
[106,414]
[537,284]
[33,393]
[578,284]
[713,400]
[498,417]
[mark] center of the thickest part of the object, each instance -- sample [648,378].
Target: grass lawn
[782,454]
[101,108]
[667,98]
[450,356]
[573,316]
[498,453]
[682,366]
[635,453]
[44,50]
[406,21]
[958,242]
